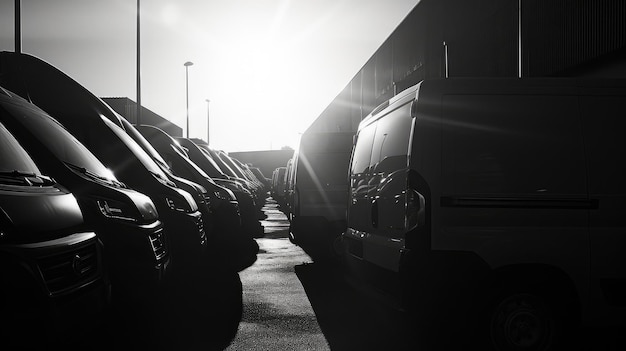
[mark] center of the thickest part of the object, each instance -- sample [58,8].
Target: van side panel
[319,190]
[604,126]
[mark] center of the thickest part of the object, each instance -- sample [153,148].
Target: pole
[138,68]
[208,130]
[18,27]
[187,64]
[187,95]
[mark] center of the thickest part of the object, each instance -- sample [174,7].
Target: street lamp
[208,130]
[187,64]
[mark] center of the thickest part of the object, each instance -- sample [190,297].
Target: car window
[60,141]
[363,150]
[12,156]
[390,145]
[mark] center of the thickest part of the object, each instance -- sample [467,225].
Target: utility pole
[18,26]
[187,64]
[138,66]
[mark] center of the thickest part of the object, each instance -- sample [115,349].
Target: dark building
[127,108]
[484,38]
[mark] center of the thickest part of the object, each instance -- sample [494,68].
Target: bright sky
[268,67]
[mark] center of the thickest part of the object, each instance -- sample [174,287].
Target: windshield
[147,147]
[13,158]
[211,161]
[223,166]
[59,141]
[136,149]
[232,165]
[198,157]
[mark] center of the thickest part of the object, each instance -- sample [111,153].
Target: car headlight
[177,204]
[118,210]
[224,194]
[182,203]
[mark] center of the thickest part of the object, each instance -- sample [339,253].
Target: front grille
[69,270]
[157,241]
[207,200]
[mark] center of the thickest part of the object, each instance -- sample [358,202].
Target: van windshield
[60,142]
[141,155]
[14,158]
[211,162]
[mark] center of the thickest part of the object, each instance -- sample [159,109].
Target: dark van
[279,186]
[125,220]
[87,118]
[317,191]
[248,208]
[200,194]
[238,246]
[495,206]
[51,270]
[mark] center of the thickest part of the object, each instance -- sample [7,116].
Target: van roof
[499,85]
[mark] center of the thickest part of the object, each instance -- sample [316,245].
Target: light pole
[208,130]
[187,64]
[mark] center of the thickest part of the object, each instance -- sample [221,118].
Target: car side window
[390,146]
[363,150]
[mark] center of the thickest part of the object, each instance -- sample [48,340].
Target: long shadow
[349,320]
[201,311]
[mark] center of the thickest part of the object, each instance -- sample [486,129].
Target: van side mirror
[413,108]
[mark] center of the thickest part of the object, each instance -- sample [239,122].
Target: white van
[501,200]
[318,191]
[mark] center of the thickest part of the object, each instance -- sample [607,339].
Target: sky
[268,67]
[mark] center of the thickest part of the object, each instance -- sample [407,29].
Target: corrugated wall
[482,38]
[558,35]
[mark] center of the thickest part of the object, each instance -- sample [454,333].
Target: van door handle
[374,213]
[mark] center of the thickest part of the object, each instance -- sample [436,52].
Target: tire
[520,319]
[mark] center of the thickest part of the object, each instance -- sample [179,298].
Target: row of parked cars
[98,215]
[490,209]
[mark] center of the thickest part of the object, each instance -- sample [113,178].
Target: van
[88,119]
[51,269]
[317,191]
[279,186]
[249,210]
[125,220]
[234,247]
[494,203]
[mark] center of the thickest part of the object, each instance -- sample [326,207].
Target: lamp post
[208,130]
[187,64]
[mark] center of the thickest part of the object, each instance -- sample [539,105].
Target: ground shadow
[351,320]
[348,320]
[202,311]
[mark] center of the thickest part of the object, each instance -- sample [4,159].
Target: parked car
[51,269]
[250,213]
[125,220]
[278,186]
[201,195]
[228,170]
[250,176]
[88,118]
[317,192]
[255,187]
[493,207]
[261,177]
[236,246]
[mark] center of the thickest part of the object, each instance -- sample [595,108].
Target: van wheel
[522,320]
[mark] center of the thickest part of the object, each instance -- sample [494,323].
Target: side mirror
[413,108]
